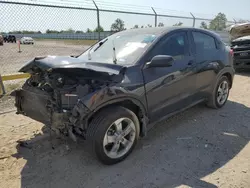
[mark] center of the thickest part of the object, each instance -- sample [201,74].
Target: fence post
[193,19]
[155,16]
[2,89]
[98,21]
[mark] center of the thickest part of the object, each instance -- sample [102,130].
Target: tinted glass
[203,41]
[175,45]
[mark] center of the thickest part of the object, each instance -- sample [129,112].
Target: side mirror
[160,61]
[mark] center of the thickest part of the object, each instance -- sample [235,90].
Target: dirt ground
[200,147]
[12,60]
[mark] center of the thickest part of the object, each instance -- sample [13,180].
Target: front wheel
[113,134]
[220,95]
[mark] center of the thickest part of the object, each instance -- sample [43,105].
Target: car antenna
[114,53]
[89,55]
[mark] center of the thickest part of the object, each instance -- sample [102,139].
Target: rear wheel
[220,95]
[113,134]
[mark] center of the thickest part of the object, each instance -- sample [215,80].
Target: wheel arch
[228,72]
[130,103]
[230,78]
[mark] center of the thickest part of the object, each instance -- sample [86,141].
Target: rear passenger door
[207,57]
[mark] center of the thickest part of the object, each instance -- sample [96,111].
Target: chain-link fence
[68,28]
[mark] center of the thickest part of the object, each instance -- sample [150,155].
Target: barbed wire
[123,7]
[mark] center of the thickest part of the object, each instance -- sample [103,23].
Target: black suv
[114,92]
[10,38]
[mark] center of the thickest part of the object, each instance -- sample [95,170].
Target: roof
[162,30]
[153,30]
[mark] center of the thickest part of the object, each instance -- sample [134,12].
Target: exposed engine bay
[240,44]
[54,96]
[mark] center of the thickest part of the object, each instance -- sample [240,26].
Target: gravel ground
[11,60]
[200,147]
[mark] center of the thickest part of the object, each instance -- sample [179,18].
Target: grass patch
[71,41]
[11,87]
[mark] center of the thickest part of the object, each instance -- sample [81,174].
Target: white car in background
[27,40]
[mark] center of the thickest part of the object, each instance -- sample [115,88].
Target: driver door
[169,89]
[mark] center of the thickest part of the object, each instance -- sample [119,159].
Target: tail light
[231,52]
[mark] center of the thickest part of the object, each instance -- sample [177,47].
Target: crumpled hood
[54,62]
[239,30]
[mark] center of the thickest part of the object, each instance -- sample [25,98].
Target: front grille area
[242,55]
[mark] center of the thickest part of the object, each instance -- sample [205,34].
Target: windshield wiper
[100,44]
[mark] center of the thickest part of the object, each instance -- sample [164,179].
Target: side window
[203,41]
[175,45]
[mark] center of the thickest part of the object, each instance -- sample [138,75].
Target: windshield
[120,48]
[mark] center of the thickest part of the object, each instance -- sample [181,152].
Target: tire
[213,100]
[102,124]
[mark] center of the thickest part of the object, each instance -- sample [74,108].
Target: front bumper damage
[43,108]
[54,93]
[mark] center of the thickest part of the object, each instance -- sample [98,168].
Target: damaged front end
[55,93]
[240,44]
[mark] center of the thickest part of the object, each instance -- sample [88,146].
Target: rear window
[204,41]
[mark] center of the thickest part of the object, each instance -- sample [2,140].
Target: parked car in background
[27,40]
[10,39]
[1,40]
[240,44]
[119,88]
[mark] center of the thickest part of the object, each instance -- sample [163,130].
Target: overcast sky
[20,17]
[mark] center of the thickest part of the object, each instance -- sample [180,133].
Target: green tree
[70,30]
[203,25]
[178,24]
[15,32]
[219,22]
[149,25]
[89,31]
[118,25]
[160,24]
[99,29]
[51,31]
[135,27]
[79,32]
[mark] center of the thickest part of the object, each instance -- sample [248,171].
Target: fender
[137,102]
